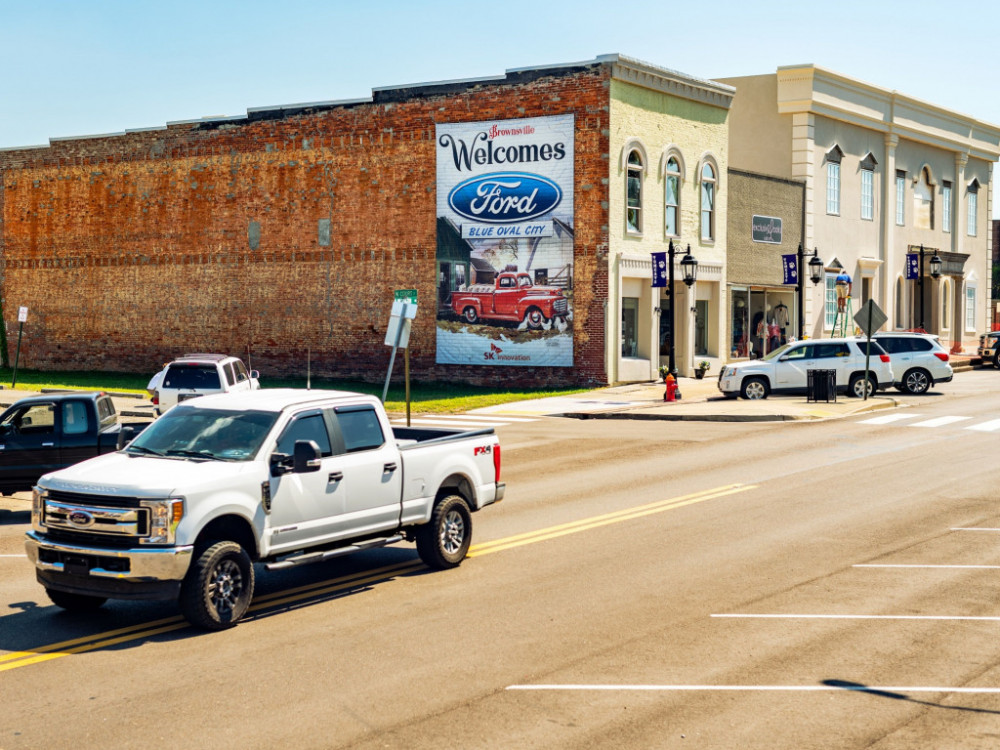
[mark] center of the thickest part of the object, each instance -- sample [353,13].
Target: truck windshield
[211,434]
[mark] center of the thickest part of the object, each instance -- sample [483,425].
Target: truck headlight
[38,497]
[164,515]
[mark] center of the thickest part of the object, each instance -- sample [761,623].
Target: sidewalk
[700,401]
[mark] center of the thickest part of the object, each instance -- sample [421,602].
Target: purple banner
[791,268]
[659,269]
[912,266]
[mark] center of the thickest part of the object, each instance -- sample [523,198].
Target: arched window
[708,182]
[672,202]
[633,192]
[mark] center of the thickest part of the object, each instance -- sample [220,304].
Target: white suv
[200,374]
[786,369]
[918,360]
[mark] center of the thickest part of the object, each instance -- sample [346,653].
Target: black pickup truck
[40,434]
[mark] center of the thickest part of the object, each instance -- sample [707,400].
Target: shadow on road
[857,687]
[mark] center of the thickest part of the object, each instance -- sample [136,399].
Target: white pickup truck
[279,477]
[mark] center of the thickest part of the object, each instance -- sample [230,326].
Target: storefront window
[630,327]
[740,323]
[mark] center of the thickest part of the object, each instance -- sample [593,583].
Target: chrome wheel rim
[225,586]
[916,382]
[452,532]
[755,390]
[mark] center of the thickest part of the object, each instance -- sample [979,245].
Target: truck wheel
[534,318]
[74,602]
[218,588]
[470,315]
[443,542]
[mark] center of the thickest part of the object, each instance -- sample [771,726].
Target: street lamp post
[816,269]
[935,273]
[689,267]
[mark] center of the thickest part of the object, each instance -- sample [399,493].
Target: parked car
[989,348]
[201,374]
[44,433]
[918,360]
[786,369]
[279,477]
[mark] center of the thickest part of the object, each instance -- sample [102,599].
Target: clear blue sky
[80,67]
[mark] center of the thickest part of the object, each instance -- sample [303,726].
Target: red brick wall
[132,249]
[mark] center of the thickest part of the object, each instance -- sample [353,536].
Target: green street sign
[407,295]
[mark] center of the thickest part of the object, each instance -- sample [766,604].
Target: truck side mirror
[255,375]
[306,457]
[125,435]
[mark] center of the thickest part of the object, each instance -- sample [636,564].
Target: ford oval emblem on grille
[80,518]
[505,197]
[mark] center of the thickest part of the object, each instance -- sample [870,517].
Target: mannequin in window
[781,320]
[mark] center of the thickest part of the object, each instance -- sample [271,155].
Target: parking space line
[760,688]
[992,426]
[857,617]
[974,528]
[960,567]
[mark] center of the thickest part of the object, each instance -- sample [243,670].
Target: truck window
[230,374]
[307,427]
[35,419]
[241,371]
[360,428]
[74,418]
[192,376]
[105,409]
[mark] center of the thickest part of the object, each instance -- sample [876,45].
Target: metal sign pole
[406,361]
[395,346]
[17,355]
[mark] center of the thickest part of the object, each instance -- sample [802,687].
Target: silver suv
[918,360]
[200,374]
[989,348]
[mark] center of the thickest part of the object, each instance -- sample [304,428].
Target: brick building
[283,234]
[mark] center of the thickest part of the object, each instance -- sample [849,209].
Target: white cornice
[647,75]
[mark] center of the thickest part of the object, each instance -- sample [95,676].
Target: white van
[200,374]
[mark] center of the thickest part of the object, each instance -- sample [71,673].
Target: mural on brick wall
[505,242]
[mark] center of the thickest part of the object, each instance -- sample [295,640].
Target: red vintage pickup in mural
[513,298]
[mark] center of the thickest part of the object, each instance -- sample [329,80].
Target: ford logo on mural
[504,197]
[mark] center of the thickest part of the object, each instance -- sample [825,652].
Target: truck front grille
[99,519]
[560,306]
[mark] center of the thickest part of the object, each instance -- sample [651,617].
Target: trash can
[821,385]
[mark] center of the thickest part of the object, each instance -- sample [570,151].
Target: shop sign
[767,229]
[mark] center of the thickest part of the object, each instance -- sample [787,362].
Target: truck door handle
[389,468]
[335,476]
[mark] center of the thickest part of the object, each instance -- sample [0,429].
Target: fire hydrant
[673,391]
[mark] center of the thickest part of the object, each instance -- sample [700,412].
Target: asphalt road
[643,585]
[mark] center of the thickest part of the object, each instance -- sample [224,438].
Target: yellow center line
[289,596]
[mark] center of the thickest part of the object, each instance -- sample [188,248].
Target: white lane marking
[992,426]
[765,688]
[890,418]
[959,567]
[13,555]
[860,617]
[488,417]
[939,421]
[973,528]
[444,423]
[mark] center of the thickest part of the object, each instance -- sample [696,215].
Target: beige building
[668,160]
[884,174]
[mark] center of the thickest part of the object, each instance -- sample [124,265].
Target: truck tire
[217,590]
[533,318]
[74,602]
[470,314]
[444,541]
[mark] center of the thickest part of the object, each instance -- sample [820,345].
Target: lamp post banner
[790,265]
[912,266]
[659,269]
[505,229]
